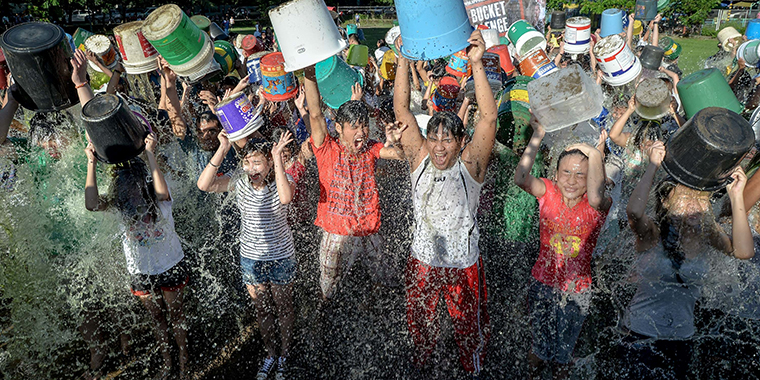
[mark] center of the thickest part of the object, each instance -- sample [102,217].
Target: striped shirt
[264,232]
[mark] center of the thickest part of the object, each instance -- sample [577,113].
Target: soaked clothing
[348,198]
[568,237]
[299,207]
[465,293]
[152,248]
[172,280]
[337,254]
[445,210]
[277,272]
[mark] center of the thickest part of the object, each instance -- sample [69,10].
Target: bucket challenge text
[493,15]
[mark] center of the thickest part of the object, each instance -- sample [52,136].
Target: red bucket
[250,45]
[505,60]
[278,85]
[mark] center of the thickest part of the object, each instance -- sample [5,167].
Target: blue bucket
[612,22]
[335,79]
[431,32]
[753,30]
[351,29]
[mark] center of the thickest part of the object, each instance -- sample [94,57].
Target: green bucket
[395,22]
[174,36]
[226,55]
[525,38]
[335,78]
[672,48]
[706,88]
[80,36]
[662,4]
[513,122]
[357,55]
[202,22]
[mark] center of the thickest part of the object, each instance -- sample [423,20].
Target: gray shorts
[556,319]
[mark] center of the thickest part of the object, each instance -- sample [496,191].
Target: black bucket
[38,54]
[651,57]
[117,134]
[703,152]
[558,20]
[217,33]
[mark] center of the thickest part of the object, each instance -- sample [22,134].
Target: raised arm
[79,77]
[534,186]
[92,199]
[208,180]
[629,32]
[159,183]
[411,140]
[478,151]
[285,188]
[656,30]
[316,118]
[642,225]
[595,180]
[741,243]
[172,104]
[617,135]
[115,76]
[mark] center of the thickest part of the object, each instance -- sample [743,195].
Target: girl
[263,190]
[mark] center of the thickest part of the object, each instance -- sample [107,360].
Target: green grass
[694,52]
[371,35]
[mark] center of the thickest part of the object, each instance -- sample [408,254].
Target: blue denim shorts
[278,272]
[555,321]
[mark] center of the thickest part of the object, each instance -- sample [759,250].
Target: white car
[80,16]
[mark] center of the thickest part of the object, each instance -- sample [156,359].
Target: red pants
[465,294]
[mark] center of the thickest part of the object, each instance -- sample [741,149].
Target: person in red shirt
[572,209]
[348,211]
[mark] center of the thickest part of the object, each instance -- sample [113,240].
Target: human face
[52,147]
[688,206]
[286,155]
[571,177]
[208,135]
[443,148]
[353,137]
[257,166]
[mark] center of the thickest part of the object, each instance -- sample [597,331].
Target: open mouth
[255,177]
[359,143]
[439,158]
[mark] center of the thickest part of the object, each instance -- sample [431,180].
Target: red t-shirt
[568,237]
[299,209]
[348,200]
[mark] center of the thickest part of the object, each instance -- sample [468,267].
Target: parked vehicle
[80,16]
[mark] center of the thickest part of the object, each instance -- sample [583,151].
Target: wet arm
[641,224]
[6,116]
[208,180]
[114,81]
[595,181]
[92,199]
[316,118]
[742,245]
[285,188]
[412,139]
[173,108]
[523,178]
[478,151]
[617,135]
[159,183]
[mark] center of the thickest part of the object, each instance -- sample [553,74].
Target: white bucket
[490,36]
[577,35]
[306,33]
[393,33]
[616,60]
[200,63]
[652,99]
[728,37]
[137,54]
[101,46]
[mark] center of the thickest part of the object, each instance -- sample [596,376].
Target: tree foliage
[688,12]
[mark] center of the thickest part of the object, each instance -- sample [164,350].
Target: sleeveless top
[445,209]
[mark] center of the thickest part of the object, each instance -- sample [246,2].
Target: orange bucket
[459,64]
[537,64]
[278,85]
[250,45]
[505,60]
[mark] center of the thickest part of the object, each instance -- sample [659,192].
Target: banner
[500,14]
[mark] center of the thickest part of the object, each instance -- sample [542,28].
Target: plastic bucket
[577,35]
[729,37]
[216,33]
[537,64]
[199,63]
[651,57]
[525,38]
[335,79]
[236,114]
[459,64]
[566,98]
[358,55]
[672,48]
[444,97]
[225,55]
[174,36]
[315,38]
[116,133]
[662,4]
[250,45]
[612,22]
[505,60]
[749,52]
[432,31]
[351,29]
[390,37]
[80,36]
[491,37]
[202,22]
[706,88]
[513,123]
[652,99]
[616,60]
[137,54]
[753,30]
[37,54]
[492,67]
[254,67]
[388,66]
[637,27]
[703,153]
[106,53]
[278,84]
[646,10]
[558,20]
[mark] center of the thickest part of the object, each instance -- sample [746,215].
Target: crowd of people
[562,203]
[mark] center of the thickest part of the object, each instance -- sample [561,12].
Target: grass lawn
[694,52]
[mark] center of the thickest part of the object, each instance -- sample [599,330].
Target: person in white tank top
[447,176]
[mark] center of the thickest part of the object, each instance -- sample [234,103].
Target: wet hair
[448,122]
[438,71]
[668,232]
[132,191]
[381,42]
[571,152]
[352,112]
[256,145]
[293,145]
[385,108]
[228,81]
[648,130]
[353,37]
[207,116]
[45,126]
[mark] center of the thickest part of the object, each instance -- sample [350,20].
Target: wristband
[212,164]
[80,85]
[118,71]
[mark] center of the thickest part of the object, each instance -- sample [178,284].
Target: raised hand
[538,128]
[477,46]
[285,139]
[393,132]
[79,64]
[209,99]
[89,151]
[151,142]
[224,141]
[736,187]
[656,152]
[356,91]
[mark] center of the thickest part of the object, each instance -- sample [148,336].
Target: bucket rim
[59,36]
[678,175]
[290,67]
[97,119]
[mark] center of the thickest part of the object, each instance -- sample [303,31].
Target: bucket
[37,54]
[433,30]
[174,36]
[202,22]
[703,153]
[459,64]
[577,35]
[749,51]
[645,10]
[491,37]
[236,114]
[729,37]
[3,71]
[706,88]
[80,36]
[505,60]
[335,79]
[525,38]
[537,64]
[137,54]
[652,99]
[662,4]
[651,57]
[492,67]
[672,48]
[225,55]
[390,37]
[106,53]
[637,27]
[254,67]
[351,29]
[388,66]
[612,22]
[315,39]
[200,63]
[616,60]
[513,123]
[753,30]
[116,133]
[444,97]
[278,84]
[216,33]
[566,98]
[558,20]
[250,45]
[358,55]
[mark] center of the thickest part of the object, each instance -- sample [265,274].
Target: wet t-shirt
[568,237]
[348,199]
[299,209]
[153,247]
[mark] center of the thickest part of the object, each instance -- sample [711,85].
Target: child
[266,242]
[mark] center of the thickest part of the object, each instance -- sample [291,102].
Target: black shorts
[173,279]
